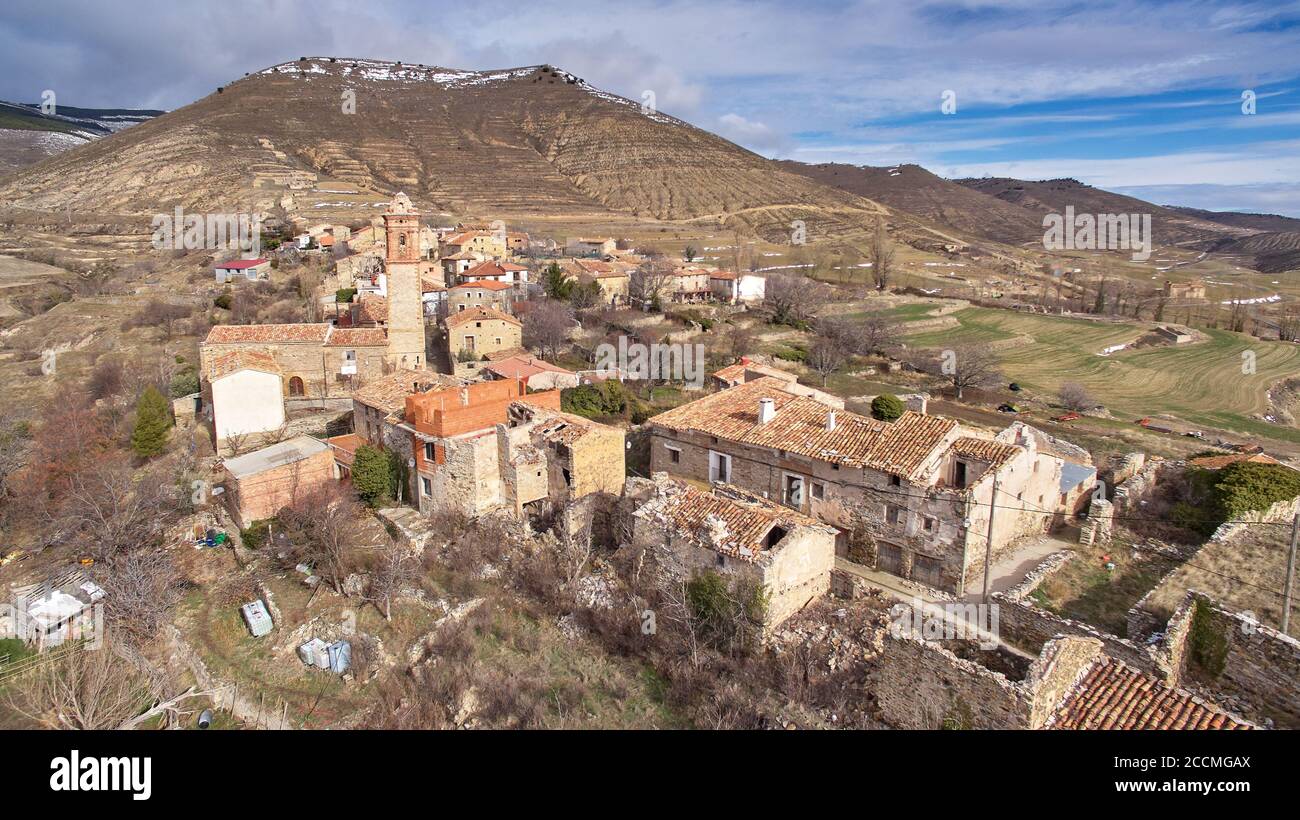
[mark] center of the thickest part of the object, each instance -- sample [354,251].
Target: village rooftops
[1113,695]
[483,284]
[493,268]
[277,455]
[388,393]
[480,314]
[802,425]
[734,374]
[552,425]
[726,519]
[993,453]
[357,337]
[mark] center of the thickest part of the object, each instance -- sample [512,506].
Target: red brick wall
[445,413]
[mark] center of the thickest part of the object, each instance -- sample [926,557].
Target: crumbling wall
[920,685]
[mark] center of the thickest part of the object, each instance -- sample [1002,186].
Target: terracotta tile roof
[308,333]
[358,337]
[430,286]
[1219,462]
[799,426]
[485,284]
[522,367]
[492,267]
[239,264]
[388,393]
[725,519]
[232,361]
[480,314]
[461,255]
[508,353]
[722,274]
[993,452]
[371,308]
[732,373]
[735,373]
[1113,695]
[345,447]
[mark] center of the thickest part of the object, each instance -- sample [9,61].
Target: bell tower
[402,267]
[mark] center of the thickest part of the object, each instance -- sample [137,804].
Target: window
[773,537]
[350,356]
[895,481]
[959,475]
[793,490]
[818,490]
[722,560]
[674,455]
[719,467]
[428,451]
[426,486]
[929,524]
[893,515]
[296,386]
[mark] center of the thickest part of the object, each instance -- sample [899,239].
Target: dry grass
[1085,590]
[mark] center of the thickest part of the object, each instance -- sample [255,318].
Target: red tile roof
[993,452]
[480,314]
[232,361]
[725,519]
[239,264]
[388,393]
[523,367]
[1113,695]
[306,333]
[358,337]
[799,426]
[485,284]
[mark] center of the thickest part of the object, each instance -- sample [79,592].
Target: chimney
[830,420]
[766,410]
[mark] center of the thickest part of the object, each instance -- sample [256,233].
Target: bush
[607,398]
[223,301]
[887,407]
[344,295]
[256,533]
[374,475]
[185,383]
[153,421]
[730,618]
[1251,487]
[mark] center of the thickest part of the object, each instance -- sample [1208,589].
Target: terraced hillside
[526,140]
[1201,383]
[1054,195]
[913,189]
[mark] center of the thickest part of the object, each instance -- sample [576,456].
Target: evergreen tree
[153,420]
[887,407]
[373,474]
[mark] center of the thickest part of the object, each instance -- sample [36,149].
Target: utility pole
[988,542]
[1290,574]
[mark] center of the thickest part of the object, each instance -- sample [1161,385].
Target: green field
[1201,383]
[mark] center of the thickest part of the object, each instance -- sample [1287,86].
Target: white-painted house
[247,395]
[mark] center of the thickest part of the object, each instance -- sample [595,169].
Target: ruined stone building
[686,531]
[911,497]
[483,446]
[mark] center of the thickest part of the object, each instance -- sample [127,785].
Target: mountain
[1259,222]
[1169,226]
[27,135]
[533,140]
[913,189]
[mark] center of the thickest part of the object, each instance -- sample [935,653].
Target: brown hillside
[523,140]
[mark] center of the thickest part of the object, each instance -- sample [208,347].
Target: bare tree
[881,251]
[395,569]
[547,325]
[876,334]
[1075,396]
[237,442]
[321,527]
[832,347]
[963,367]
[77,688]
[792,299]
[142,587]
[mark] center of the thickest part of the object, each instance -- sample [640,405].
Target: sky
[1150,99]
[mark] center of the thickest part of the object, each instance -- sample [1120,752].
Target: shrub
[153,421]
[607,398]
[344,295]
[374,475]
[185,382]
[729,617]
[223,301]
[255,535]
[887,407]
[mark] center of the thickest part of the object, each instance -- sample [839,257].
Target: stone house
[594,247]
[735,533]
[1184,290]
[247,394]
[613,278]
[535,373]
[316,360]
[734,288]
[495,270]
[549,456]
[260,483]
[911,497]
[487,244]
[747,370]
[485,293]
[478,331]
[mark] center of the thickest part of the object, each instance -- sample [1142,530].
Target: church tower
[402,267]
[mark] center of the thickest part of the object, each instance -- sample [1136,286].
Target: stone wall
[1030,628]
[1255,665]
